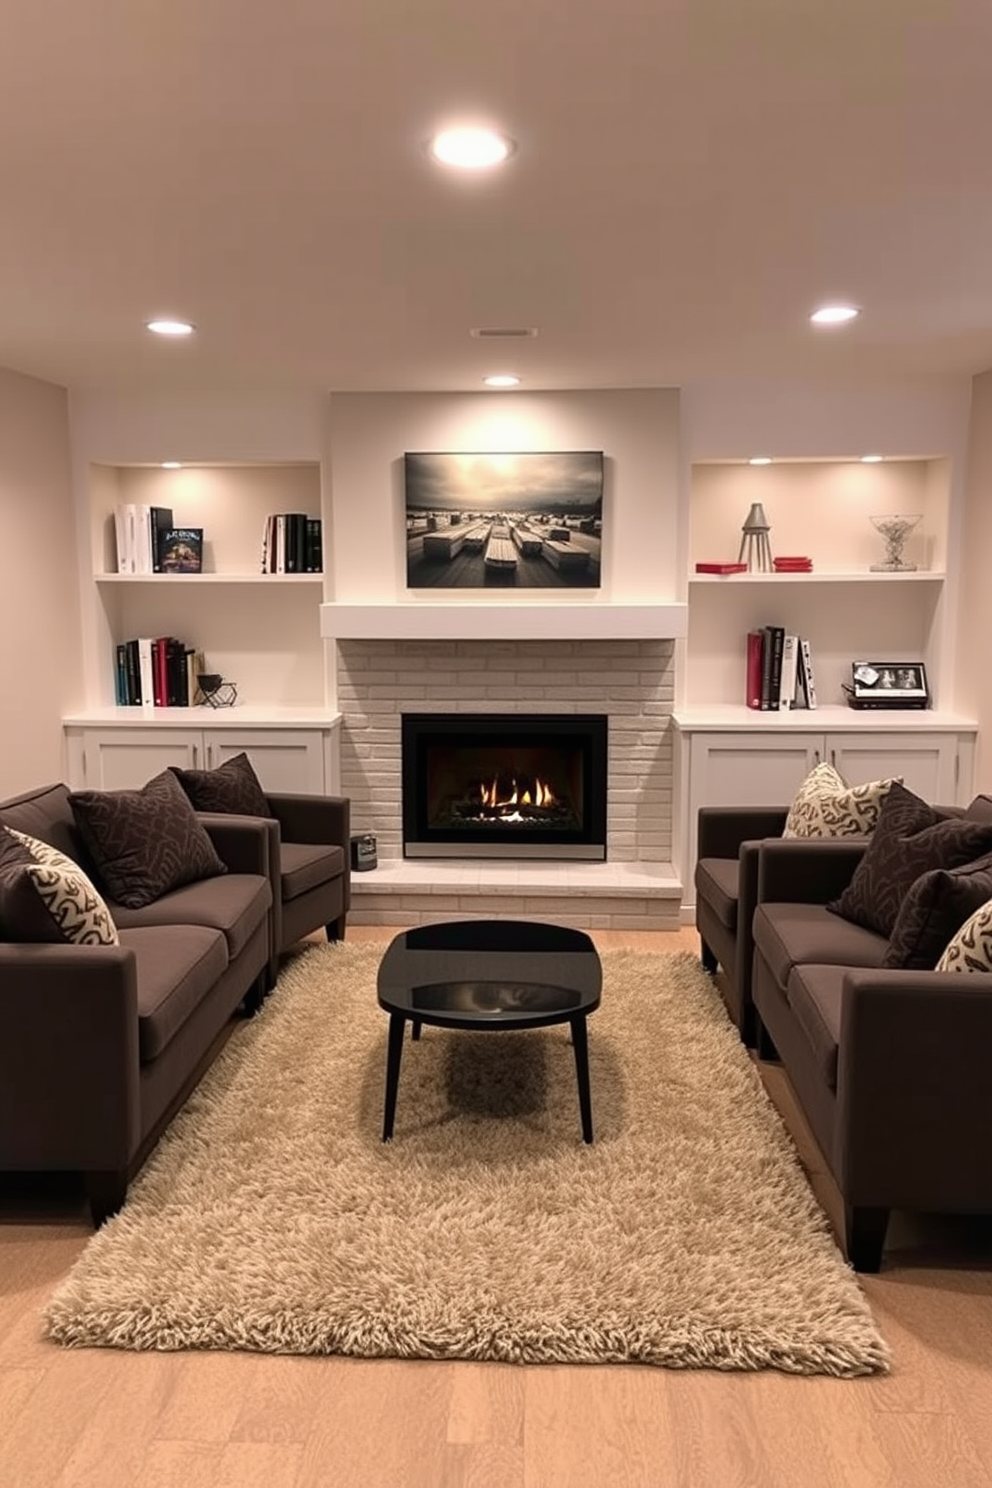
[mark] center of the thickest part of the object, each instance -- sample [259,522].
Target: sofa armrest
[313,819]
[243,843]
[720,830]
[914,1096]
[69,1068]
[807,870]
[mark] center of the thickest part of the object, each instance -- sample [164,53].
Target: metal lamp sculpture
[756,550]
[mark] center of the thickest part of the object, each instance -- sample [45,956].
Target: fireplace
[504,785]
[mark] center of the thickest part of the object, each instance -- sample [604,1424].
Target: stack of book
[138,530]
[779,670]
[292,543]
[157,672]
[792,565]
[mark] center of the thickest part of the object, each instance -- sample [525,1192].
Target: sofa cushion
[980,809]
[45,896]
[305,866]
[796,934]
[824,806]
[235,905]
[911,838]
[717,885]
[45,813]
[177,966]
[971,947]
[232,788]
[815,995]
[934,909]
[144,842]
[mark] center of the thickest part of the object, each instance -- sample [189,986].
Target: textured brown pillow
[909,839]
[934,910]
[144,842]
[233,788]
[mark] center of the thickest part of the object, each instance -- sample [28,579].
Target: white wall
[40,671]
[975,610]
[637,429]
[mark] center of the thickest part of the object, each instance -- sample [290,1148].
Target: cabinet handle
[195,766]
[833,758]
[816,756]
[210,756]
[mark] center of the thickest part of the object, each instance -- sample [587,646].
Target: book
[159,523]
[182,550]
[807,684]
[755,644]
[146,673]
[787,682]
[721,568]
[771,673]
[124,537]
[314,546]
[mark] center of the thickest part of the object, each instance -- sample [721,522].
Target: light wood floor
[101,1419]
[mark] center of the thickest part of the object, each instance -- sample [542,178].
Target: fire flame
[542,795]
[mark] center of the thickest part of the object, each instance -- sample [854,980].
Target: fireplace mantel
[490,620]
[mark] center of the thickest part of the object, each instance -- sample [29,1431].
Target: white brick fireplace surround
[629,680]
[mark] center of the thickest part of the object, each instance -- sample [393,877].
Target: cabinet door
[125,759]
[283,759]
[747,769]
[926,762]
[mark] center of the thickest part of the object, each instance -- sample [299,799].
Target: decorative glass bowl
[895,528]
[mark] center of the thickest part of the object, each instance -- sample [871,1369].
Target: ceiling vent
[501,333]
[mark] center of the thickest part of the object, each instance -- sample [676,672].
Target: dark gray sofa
[100,1045]
[890,1066]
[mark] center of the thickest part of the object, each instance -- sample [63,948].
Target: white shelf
[554,620]
[238,717]
[209,578]
[724,717]
[925,576]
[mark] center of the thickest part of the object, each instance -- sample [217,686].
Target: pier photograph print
[526,520]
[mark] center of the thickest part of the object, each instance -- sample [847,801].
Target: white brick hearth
[629,680]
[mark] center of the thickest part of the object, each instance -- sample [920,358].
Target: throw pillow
[233,788]
[934,909]
[909,839]
[824,806]
[45,896]
[971,948]
[145,842]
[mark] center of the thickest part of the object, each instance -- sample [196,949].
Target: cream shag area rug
[272,1217]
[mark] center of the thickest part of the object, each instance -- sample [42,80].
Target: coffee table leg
[394,1054]
[580,1047]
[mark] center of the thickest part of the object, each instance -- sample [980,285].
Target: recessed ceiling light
[760,460]
[470,148]
[834,314]
[502,380]
[872,459]
[170,327]
[172,465]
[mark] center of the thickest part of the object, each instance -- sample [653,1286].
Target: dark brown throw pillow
[934,910]
[233,788]
[144,842]
[910,838]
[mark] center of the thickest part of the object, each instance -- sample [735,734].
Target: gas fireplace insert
[499,785]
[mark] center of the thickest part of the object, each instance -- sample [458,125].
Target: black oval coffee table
[489,974]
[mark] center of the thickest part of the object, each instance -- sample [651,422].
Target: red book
[755,642]
[160,673]
[721,568]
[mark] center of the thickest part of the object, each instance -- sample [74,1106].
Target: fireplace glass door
[504,785]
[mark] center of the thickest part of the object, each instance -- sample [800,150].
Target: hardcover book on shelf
[181,550]
[805,670]
[771,672]
[755,650]
[314,546]
[787,683]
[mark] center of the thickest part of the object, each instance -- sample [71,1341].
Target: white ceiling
[692,178]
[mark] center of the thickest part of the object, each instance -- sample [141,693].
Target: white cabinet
[734,766]
[298,758]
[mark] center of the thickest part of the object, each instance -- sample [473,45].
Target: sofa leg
[748,1027]
[335,930]
[255,996]
[706,956]
[765,1042]
[864,1235]
[106,1190]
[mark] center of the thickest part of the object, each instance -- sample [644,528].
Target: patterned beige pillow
[825,807]
[971,948]
[45,896]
